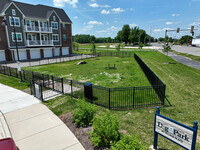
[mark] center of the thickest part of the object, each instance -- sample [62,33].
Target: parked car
[8,144]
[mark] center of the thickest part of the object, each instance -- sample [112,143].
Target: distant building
[41,31]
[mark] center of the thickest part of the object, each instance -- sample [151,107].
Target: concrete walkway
[32,124]
[184,60]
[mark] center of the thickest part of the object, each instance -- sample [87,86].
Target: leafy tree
[92,38]
[134,35]
[74,46]
[140,45]
[166,48]
[93,47]
[108,40]
[118,47]
[122,46]
[142,34]
[107,45]
[185,39]
[77,47]
[125,33]
[119,36]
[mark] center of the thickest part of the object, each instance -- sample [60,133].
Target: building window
[14,21]
[63,26]
[13,12]
[28,23]
[64,37]
[54,18]
[29,37]
[54,25]
[18,36]
[55,37]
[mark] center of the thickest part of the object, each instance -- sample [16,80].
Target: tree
[166,48]
[74,46]
[134,35]
[108,40]
[107,46]
[77,47]
[140,45]
[119,36]
[125,33]
[93,47]
[92,38]
[118,47]
[185,39]
[122,46]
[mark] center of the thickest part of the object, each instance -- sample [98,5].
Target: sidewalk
[33,125]
[184,60]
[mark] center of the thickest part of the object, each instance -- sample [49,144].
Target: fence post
[62,85]
[52,82]
[4,69]
[16,72]
[24,75]
[163,99]
[109,98]
[71,89]
[41,92]
[32,76]
[10,71]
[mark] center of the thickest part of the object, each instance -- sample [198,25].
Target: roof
[36,11]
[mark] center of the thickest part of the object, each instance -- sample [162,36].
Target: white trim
[56,15]
[15,6]
[52,26]
[12,33]
[55,35]
[14,21]
[66,22]
[14,14]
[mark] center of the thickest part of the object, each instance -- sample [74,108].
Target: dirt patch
[125,62]
[84,80]
[80,133]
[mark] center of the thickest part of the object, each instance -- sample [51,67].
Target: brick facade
[68,32]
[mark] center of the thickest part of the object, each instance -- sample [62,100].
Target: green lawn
[183,91]
[127,73]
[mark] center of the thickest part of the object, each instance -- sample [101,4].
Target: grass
[13,82]
[182,91]
[127,73]
[193,57]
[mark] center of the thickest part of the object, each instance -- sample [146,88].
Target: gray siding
[55,31]
[10,28]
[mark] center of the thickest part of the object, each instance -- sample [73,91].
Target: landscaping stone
[81,62]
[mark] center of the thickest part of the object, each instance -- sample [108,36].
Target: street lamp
[4,23]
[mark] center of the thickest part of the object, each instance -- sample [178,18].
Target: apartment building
[41,31]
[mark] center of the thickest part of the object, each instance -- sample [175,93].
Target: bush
[128,143]
[105,130]
[84,113]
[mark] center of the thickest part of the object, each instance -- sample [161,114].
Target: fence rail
[112,98]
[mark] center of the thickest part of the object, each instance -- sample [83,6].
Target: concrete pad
[57,138]
[34,125]
[26,113]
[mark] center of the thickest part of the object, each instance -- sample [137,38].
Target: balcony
[39,43]
[37,29]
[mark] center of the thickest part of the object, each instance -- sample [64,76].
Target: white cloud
[94,5]
[117,10]
[75,17]
[157,30]
[169,23]
[105,6]
[93,0]
[101,31]
[88,27]
[175,15]
[107,23]
[132,9]
[195,23]
[95,23]
[105,12]
[133,25]
[113,28]
[61,3]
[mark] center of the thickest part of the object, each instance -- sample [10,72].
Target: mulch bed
[81,133]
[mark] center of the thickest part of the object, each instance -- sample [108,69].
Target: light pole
[16,44]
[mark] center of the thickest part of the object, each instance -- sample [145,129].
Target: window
[64,37]
[54,25]
[54,18]
[14,21]
[63,25]
[29,37]
[13,12]
[18,36]
[28,23]
[55,37]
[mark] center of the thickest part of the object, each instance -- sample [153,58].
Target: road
[183,49]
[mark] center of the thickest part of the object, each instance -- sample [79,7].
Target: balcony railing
[37,29]
[39,43]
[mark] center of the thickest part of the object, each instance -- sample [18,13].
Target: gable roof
[36,11]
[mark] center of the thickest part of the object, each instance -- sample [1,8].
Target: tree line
[183,40]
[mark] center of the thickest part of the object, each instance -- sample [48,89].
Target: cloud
[113,28]
[61,3]
[195,23]
[157,30]
[105,12]
[95,5]
[101,31]
[161,30]
[117,10]
[132,9]
[75,17]
[169,23]
[95,23]
[88,27]
[175,15]
[133,25]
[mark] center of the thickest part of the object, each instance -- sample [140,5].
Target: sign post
[174,131]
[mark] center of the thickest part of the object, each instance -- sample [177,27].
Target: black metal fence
[112,98]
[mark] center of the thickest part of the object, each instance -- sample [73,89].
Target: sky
[104,18]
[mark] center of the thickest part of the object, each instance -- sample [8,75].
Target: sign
[176,132]
[37,91]
[18,66]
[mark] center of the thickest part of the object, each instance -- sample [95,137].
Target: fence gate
[36,90]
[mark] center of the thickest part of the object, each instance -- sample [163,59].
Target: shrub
[105,130]
[128,143]
[84,113]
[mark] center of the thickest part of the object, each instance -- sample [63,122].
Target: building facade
[41,31]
